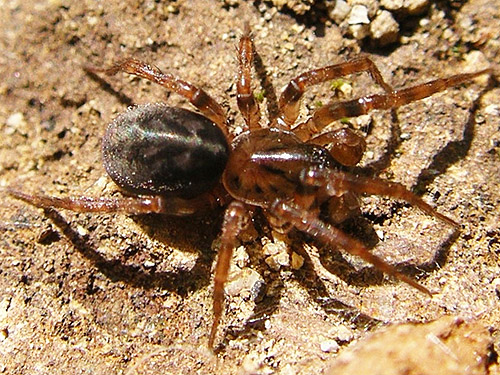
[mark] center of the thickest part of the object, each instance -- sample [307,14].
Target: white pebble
[358,15]
[329,346]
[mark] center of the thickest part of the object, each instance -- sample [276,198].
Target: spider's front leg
[327,234]
[345,145]
[335,183]
[332,183]
[198,97]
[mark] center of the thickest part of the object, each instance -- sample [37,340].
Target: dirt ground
[102,294]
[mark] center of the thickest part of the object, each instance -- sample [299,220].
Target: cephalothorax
[177,162]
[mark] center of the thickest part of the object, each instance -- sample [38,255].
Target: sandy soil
[83,293]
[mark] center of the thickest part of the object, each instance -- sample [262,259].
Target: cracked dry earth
[83,293]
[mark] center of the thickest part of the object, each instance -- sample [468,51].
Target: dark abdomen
[155,149]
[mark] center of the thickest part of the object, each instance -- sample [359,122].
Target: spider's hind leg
[134,205]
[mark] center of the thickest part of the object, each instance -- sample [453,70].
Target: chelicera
[177,162]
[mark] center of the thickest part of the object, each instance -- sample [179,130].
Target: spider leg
[336,183]
[247,104]
[334,111]
[136,205]
[235,220]
[324,233]
[198,97]
[289,102]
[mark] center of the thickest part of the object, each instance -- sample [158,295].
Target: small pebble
[297,261]
[392,4]
[340,11]
[380,234]
[241,257]
[415,7]
[329,346]
[344,334]
[15,119]
[82,231]
[246,280]
[15,122]
[4,333]
[358,15]
[279,260]
[443,280]
[384,29]
[359,31]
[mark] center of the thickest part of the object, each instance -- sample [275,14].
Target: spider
[174,161]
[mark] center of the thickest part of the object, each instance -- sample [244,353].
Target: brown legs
[325,233]
[135,205]
[199,98]
[246,102]
[361,106]
[335,183]
[235,220]
[342,146]
[289,102]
